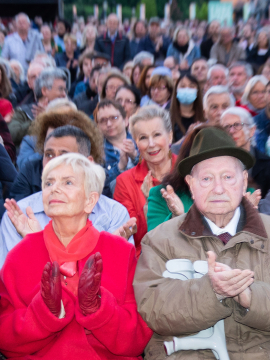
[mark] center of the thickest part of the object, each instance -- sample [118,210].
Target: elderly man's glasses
[125,101]
[236,126]
[112,119]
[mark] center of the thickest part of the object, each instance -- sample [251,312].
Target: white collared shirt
[230,227]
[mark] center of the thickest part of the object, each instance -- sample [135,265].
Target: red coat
[128,193]
[115,331]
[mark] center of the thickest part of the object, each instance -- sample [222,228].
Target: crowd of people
[124,147]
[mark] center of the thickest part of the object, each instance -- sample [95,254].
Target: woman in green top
[172,198]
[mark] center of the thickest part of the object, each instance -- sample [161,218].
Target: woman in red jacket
[152,131]
[66,292]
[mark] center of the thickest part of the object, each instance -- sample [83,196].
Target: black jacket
[119,51]
[88,106]
[260,172]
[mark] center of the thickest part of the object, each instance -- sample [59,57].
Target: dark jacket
[260,172]
[24,94]
[88,106]
[206,47]
[255,59]
[134,45]
[62,60]
[119,51]
[28,180]
[146,44]
[85,96]
[262,130]
[8,143]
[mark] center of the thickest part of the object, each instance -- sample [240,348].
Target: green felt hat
[212,142]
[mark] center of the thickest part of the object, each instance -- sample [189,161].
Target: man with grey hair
[216,100]
[23,44]
[144,58]
[239,74]
[217,75]
[114,43]
[226,51]
[50,85]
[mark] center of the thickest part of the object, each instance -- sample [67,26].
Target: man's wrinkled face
[199,70]
[238,78]
[22,23]
[217,185]
[218,77]
[216,105]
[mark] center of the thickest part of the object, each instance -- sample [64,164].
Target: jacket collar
[252,222]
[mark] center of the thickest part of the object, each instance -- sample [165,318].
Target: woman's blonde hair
[250,85]
[94,174]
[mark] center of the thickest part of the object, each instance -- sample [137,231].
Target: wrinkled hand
[51,288]
[254,198]
[147,184]
[173,201]
[228,283]
[129,148]
[244,298]
[184,65]
[22,223]
[89,285]
[123,160]
[128,229]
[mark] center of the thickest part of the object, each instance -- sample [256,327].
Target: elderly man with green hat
[225,230]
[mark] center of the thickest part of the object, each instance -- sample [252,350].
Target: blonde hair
[94,174]
[250,85]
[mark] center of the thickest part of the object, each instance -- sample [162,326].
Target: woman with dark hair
[259,54]
[129,97]
[113,81]
[82,82]
[160,91]
[186,105]
[136,74]
[5,87]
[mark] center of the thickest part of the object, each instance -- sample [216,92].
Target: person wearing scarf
[66,292]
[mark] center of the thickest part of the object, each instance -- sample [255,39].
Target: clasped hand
[227,282]
[88,289]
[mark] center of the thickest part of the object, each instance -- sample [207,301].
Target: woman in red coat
[66,292]
[152,131]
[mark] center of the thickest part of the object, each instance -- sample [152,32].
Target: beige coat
[236,53]
[180,308]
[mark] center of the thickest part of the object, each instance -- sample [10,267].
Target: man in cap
[113,43]
[223,229]
[154,42]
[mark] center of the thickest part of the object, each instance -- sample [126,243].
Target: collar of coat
[252,222]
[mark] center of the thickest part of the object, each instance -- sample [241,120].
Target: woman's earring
[170,151]
[140,159]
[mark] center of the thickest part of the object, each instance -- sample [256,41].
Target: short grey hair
[46,79]
[148,113]
[217,67]
[22,14]
[250,85]
[142,56]
[245,65]
[94,174]
[218,89]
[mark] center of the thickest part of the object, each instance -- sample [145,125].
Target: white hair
[17,63]
[217,67]
[60,102]
[22,14]
[94,174]
[243,64]
[218,89]
[142,56]
[244,116]
[250,85]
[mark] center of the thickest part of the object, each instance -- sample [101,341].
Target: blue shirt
[262,131]
[112,158]
[23,51]
[107,215]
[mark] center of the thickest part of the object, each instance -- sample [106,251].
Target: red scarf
[79,247]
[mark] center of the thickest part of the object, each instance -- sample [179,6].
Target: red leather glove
[89,285]
[51,288]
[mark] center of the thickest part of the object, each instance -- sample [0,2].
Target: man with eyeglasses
[50,85]
[120,150]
